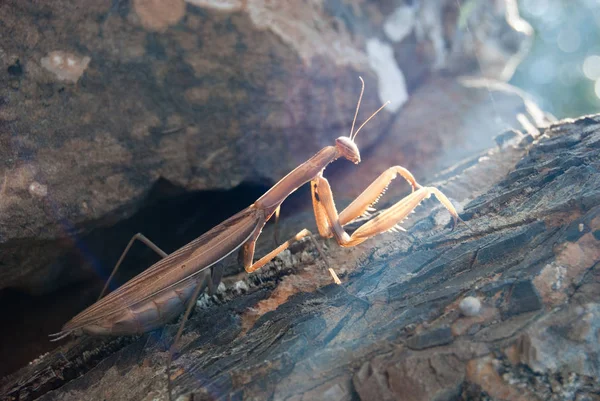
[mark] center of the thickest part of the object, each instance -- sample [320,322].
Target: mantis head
[345,145]
[348,149]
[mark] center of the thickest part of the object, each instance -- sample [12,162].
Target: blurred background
[562,70]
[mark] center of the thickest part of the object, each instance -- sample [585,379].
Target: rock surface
[100,100]
[394,328]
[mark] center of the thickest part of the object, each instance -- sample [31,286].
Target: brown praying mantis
[160,293]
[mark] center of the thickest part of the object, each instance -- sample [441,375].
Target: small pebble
[203,301]
[286,258]
[37,189]
[442,217]
[240,286]
[14,84]
[39,359]
[470,306]
[305,257]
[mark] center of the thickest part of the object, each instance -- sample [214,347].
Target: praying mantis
[160,293]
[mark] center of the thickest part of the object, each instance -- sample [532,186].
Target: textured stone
[481,371]
[522,298]
[410,377]
[205,95]
[564,340]
[430,338]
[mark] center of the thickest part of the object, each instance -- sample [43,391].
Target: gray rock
[410,377]
[97,107]
[430,338]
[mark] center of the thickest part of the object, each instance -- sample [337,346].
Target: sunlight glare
[568,40]
[597,88]
[591,67]
[543,71]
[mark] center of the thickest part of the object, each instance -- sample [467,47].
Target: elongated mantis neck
[296,178]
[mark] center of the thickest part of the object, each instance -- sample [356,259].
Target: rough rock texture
[100,99]
[530,254]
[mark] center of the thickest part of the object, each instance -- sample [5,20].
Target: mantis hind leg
[140,237]
[206,279]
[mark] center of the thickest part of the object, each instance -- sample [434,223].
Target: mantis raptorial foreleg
[331,224]
[398,212]
[140,237]
[359,206]
[372,193]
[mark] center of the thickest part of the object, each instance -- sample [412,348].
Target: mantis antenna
[369,119]
[362,90]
